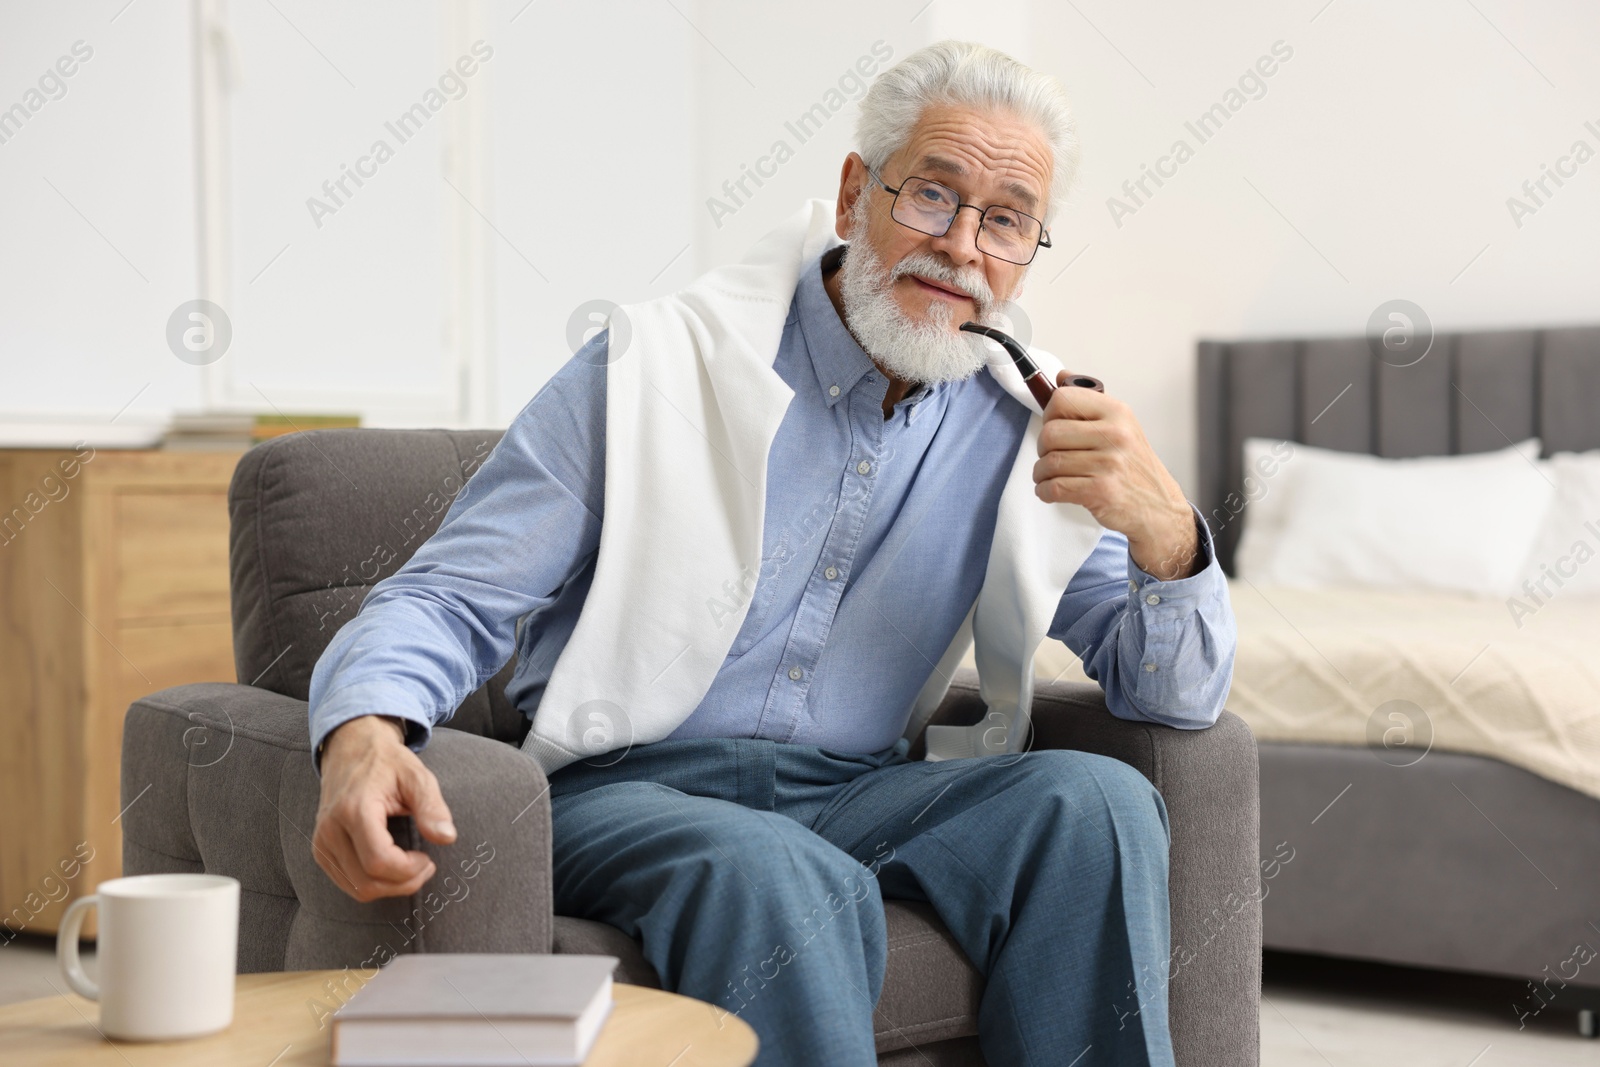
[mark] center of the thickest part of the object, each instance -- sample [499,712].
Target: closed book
[209,422]
[207,442]
[264,427]
[476,1010]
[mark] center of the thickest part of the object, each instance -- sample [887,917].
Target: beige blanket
[1330,666]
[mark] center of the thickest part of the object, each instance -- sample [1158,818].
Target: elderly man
[803,478]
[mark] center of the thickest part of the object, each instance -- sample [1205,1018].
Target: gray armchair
[317,518]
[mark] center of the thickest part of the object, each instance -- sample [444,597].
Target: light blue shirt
[875,543]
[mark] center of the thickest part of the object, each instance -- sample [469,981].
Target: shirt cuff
[353,704]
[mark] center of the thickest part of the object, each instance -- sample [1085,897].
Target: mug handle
[67,948]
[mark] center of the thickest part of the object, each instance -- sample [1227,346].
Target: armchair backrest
[316,520]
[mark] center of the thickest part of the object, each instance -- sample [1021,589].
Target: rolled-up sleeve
[525,524]
[1162,650]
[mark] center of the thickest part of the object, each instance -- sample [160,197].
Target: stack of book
[225,430]
[478,1010]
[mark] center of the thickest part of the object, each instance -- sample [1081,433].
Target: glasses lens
[1009,235]
[925,206]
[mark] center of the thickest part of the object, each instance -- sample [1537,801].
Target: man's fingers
[381,859]
[420,793]
[1070,433]
[1084,491]
[1069,463]
[336,854]
[1103,431]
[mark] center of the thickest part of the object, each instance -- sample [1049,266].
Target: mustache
[970,281]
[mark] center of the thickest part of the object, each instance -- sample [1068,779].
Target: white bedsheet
[1314,665]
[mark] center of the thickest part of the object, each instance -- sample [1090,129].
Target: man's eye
[1002,221]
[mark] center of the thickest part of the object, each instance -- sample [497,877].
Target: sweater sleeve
[446,621]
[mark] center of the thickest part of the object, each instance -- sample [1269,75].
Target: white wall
[91,268]
[593,135]
[338,292]
[763,67]
[1387,144]
[1376,165]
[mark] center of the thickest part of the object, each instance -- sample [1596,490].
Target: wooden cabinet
[113,584]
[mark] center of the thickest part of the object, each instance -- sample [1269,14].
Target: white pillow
[1456,523]
[1565,557]
[1264,502]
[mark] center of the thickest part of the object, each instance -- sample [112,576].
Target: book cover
[483,1009]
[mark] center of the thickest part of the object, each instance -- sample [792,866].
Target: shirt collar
[836,358]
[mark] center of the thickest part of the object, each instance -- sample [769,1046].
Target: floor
[28,967]
[1317,1012]
[1314,1013]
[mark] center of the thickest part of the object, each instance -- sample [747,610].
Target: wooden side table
[113,584]
[275,1022]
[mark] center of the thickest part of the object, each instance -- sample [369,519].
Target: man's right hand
[368,774]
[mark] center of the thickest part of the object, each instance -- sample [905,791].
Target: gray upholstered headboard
[1472,392]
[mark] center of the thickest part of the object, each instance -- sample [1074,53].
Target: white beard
[926,351]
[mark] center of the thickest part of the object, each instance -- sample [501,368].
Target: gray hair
[964,73]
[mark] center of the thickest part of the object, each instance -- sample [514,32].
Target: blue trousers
[754,873]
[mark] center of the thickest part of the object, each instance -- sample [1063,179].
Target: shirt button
[1133,586]
[1150,668]
[833,390]
[795,673]
[863,467]
[1152,600]
[831,573]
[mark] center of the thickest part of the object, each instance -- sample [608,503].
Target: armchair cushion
[930,991]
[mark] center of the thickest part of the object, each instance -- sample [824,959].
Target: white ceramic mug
[165,956]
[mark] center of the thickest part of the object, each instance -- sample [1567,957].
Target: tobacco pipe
[1040,386]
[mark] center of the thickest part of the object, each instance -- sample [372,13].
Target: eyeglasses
[1003,232]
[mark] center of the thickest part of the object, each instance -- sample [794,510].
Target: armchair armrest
[1210,782]
[218,778]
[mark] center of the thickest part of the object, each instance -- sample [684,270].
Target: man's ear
[852,183]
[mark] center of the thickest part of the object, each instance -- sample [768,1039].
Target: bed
[1482,855]
[1474,843]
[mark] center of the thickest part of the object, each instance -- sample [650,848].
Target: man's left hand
[1093,452]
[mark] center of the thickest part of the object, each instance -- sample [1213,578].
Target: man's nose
[960,241]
